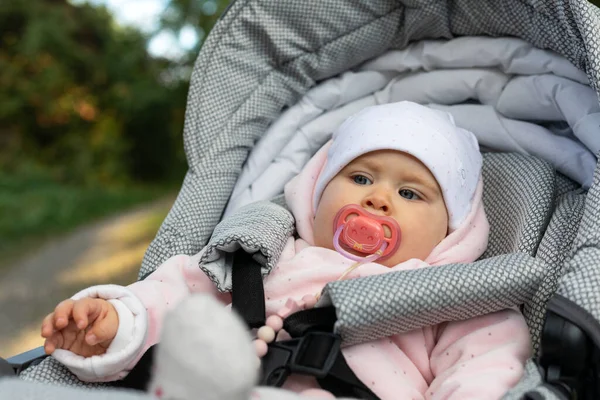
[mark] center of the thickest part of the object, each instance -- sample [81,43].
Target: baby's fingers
[103,331]
[62,313]
[84,311]
[55,341]
[48,326]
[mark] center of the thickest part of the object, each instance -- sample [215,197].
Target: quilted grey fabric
[581,278]
[554,249]
[261,228]
[556,245]
[263,55]
[51,371]
[565,185]
[518,199]
[15,389]
[378,306]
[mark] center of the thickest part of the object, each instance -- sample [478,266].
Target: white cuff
[125,347]
[125,332]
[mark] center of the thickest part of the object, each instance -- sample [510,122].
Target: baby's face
[393,184]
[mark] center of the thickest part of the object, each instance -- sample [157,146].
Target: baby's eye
[361,180]
[409,194]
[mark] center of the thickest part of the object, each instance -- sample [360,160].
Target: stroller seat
[518,202]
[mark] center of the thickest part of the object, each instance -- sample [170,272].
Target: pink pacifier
[359,230]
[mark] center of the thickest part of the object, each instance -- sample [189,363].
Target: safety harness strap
[247,291]
[314,349]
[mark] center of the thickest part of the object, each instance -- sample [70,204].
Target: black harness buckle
[313,354]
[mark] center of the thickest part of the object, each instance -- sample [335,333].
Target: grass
[34,209]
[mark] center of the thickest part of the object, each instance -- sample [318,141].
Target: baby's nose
[377,203]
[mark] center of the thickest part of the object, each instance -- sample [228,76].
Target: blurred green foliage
[90,123]
[82,100]
[199,15]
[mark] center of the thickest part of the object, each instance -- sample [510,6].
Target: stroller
[274,79]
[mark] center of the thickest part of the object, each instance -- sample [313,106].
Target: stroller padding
[555,246]
[53,372]
[261,228]
[558,239]
[37,390]
[406,300]
[518,197]
[581,276]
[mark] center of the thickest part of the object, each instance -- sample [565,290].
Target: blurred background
[92,103]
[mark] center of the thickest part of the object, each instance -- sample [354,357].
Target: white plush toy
[206,353]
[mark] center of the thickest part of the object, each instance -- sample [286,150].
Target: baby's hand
[85,327]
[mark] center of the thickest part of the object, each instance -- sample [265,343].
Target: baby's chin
[389,262]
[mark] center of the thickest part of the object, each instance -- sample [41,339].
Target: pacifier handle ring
[347,254]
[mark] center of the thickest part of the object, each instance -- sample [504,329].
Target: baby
[398,187]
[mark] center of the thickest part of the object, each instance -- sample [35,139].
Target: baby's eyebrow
[429,184]
[371,164]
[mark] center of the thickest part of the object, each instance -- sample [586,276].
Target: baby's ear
[205,348]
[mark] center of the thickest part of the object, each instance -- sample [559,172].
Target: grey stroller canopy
[274,78]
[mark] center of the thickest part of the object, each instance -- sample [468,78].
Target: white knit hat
[451,153]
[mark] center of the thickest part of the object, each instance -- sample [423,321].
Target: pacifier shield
[365,232]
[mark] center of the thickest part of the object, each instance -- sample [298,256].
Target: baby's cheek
[415,245]
[322,238]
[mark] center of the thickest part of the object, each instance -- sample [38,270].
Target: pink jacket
[480,358]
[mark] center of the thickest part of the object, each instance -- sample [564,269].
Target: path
[109,251]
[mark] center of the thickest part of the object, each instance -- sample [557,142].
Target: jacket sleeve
[479,358]
[141,308]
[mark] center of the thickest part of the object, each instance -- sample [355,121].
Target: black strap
[247,292]
[342,382]
[315,351]
[338,378]
[319,319]
[247,298]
